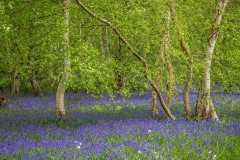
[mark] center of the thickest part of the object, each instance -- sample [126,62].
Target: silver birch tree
[62,84]
[164,56]
[205,108]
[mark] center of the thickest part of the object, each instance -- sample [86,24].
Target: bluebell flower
[206,142]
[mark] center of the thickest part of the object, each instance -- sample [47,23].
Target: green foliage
[32,39]
[226,60]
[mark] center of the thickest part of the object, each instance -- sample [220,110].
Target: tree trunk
[153,105]
[186,49]
[80,30]
[199,92]
[16,83]
[206,109]
[171,83]
[35,85]
[118,74]
[135,53]
[170,87]
[187,84]
[106,39]
[164,52]
[101,44]
[62,84]
[188,79]
[153,100]
[33,77]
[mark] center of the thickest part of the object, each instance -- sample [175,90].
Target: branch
[115,30]
[134,52]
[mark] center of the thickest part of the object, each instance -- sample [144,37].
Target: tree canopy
[32,45]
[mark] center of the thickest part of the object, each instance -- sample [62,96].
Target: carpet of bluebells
[102,128]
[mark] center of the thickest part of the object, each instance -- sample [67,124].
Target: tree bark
[33,77]
[16,82]
[119,77]
[101,44]
[186,49]
[153,105]
[164,53]
[35,85]
[171,83]
[60,113]
[106,39]
[206,109]
[163,44]
[135,53]
[188,80]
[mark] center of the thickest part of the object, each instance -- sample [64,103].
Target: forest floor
[101,128]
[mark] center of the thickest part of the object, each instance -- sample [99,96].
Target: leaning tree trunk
[136,54]
[206,109]
[62,84]
[16,82]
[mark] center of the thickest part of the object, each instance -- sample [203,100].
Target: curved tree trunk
[135,53]
[62,84]
[187,52]
[188,79]
[206,109]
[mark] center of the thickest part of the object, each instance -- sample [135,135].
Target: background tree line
[121,46]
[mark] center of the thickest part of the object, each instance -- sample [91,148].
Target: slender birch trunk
[101,44]
[33,77]
[16,82]
[118,75]
[186,49]
[199,92]
[135,53]
[62,84]
[153,100]
[164,54]
[35,85]
[106,39]
[188,80]
[153,105]
[206,109]
[171,83]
